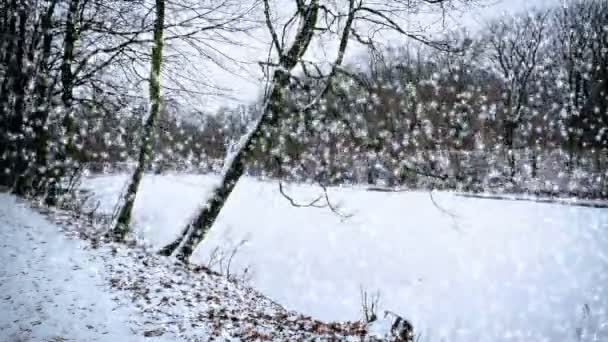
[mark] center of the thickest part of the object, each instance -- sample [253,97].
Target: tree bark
[16,87]
[196,230]
[20,82]
[40,140]
[36,144]
[121,229]
[67,78]
[67,152]
[8,60]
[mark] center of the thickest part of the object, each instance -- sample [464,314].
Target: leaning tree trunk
[121,228]
[195,231]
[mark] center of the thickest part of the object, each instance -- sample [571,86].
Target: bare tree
[184,32]
[581,37]
[313,19]
[124,217]
[32,177]
[514,46]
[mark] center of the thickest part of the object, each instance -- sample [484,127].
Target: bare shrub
[221,260]
[369,305]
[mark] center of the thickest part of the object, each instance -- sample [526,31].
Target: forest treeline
[519,104]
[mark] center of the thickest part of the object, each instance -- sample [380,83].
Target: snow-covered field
[471,270]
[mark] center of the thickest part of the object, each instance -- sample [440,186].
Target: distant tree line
[521,105]
[517,102]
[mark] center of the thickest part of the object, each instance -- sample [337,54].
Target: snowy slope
[57,289]
[474,270]
[51,289]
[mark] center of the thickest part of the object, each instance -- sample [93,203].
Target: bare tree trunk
[195,231]
[17,90]
[37,145]
[121,228]
[8,60]
[40,141]
[67,82]
[510,145]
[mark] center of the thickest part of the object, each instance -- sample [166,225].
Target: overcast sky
[245,83]
[501,6]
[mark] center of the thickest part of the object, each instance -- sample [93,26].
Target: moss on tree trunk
[121,229]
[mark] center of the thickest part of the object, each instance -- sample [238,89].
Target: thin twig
[313,203]
[452,215]
[333,208]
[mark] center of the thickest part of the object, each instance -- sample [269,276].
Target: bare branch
[453,216]
[273,33]
[313,203]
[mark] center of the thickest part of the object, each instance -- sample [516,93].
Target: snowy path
[51,289]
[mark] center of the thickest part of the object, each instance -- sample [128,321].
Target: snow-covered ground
[56,289]
[52,290]
[467,269]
